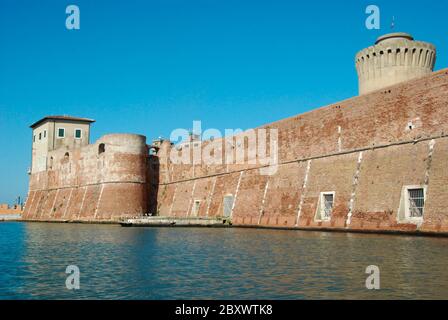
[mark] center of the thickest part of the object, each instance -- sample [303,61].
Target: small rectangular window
[61,133]
[78,133]
[228,205]
[325,208]
[416,198]
[45,133]
[196,206]
[40,136]
[34,138]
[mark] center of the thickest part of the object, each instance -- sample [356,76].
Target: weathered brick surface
[284,194]
[166,197]
[61,204]
[225,185]
[90,202]
[75,203]
[182,200]
[327,175]
[47,207]
[202,193]
[250,195]
[384,172]
[436,214]
[122,199]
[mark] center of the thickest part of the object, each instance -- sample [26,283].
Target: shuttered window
[61,133]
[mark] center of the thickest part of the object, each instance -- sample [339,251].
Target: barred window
[416,202]
[328,206]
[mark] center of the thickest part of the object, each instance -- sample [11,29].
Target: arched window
[66,156]
[101,148]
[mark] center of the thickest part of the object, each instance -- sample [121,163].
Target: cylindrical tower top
[393,36]
[395,58]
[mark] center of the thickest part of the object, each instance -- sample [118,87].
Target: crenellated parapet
[394,58]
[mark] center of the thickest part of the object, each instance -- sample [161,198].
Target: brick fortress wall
[365,149]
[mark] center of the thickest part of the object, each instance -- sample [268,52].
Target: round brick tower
[395,58]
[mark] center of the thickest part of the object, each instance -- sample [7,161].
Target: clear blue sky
[151,66]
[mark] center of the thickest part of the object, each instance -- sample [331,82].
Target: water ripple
[177,263]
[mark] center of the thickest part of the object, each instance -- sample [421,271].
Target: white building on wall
[55,132]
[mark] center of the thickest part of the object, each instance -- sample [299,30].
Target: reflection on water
[177,263]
